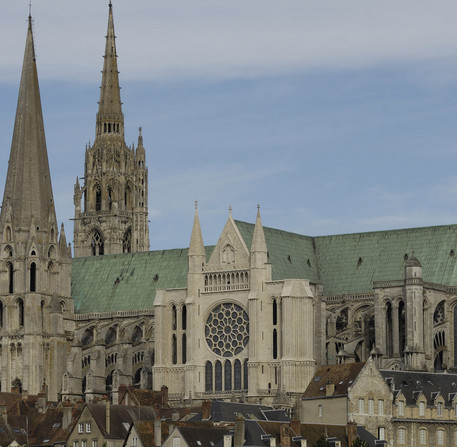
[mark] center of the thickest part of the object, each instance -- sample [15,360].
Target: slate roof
[228,411]
[203,436]
[411,384]
[342,376]
[343,264]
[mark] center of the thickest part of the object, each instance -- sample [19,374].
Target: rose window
[227,329]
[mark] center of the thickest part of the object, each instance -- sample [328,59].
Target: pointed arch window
[42,314]
[98,198]
[174,350]
[8,234]
[218,376]
[33,277]
[1,314]
[110,198]
[174,316]
[245,374]
[237,374]
[228,375]
[275,312]
[127,241]
[184,348]
[275,344]
[20,311]
[97,244]
[184,318]
[10,277]
[208,376]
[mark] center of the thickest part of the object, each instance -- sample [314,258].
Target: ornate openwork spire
[110,119]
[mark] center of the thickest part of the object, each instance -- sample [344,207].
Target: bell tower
[36,308]
[114,214]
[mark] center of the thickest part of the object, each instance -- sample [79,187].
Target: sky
[335,116]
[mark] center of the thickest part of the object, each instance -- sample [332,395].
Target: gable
[230,249]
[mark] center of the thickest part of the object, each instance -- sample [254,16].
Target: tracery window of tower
[110,198]
[98,198]
[10,269]
[33,277]
[127,241]
[20,311]
[97,244]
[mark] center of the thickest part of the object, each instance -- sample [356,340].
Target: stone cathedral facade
[248,319]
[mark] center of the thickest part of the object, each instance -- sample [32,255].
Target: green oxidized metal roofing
[343,264]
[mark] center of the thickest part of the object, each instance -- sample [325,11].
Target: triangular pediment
[231,250]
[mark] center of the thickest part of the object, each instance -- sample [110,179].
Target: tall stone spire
[110,119]
[34,329]
[28,190]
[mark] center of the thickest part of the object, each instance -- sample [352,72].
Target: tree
[359,443]
[322,442]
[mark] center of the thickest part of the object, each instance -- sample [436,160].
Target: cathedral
[249,319]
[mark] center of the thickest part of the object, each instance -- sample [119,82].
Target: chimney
[157,431]
[295,425]
[25,395]
[351,432]
[206,409]
[164,396]
[239,432]
[67,414]
[108,416]
[228,440]
[329,389]
[284,438]
[41,403]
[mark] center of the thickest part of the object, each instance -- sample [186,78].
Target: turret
[196,255]
[258,255]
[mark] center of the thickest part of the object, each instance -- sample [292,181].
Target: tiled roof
[121,417]
[342,376]
[145,430]
[412,384]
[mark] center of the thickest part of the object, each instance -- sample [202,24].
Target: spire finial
[196,205]
[140,129]
[30,13]
[110,4]
[230,211]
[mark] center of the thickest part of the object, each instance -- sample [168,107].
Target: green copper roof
[126,281]
[290,255]
[349,263]
[343,264]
